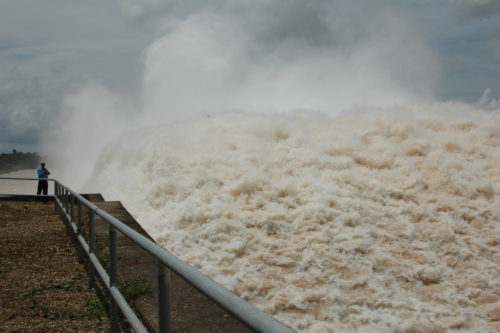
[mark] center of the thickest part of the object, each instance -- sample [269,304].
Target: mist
[266,57]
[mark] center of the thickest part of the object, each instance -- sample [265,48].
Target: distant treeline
[18,161]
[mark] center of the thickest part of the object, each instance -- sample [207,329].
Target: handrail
[26,178]
[239,308]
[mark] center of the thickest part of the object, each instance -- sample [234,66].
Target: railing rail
[25,178]
[64,204]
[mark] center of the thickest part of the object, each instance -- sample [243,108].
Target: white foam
[375,221]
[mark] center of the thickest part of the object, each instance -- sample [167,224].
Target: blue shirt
[41,173]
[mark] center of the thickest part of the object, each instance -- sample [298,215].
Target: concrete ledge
[94,197]
[24,197]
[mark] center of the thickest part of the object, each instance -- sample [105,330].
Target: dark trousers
[43,185]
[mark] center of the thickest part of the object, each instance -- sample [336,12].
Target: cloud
[18,112]
[472,10]
[496,55]
[29,90]
[47,51]
[494,47]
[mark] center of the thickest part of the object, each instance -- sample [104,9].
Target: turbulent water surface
[374,221]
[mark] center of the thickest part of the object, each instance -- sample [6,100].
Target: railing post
[113,307]
[72,213]
[55,196]
[67,222]
[66,201]
[63,201]
[164,322]
[72,218]
[66,192]
[59,202]
[91,247]
[79,233]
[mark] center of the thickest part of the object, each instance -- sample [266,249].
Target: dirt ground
[43,288]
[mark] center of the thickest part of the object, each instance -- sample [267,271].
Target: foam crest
[373,221]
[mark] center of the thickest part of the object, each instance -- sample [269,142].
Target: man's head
[42,164]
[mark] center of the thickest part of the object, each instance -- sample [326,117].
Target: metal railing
[24,191]
[65,201]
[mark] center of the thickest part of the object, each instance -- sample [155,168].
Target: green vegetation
[133,289]
[18,161]
[95,306]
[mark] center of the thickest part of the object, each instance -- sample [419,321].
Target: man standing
[43,174]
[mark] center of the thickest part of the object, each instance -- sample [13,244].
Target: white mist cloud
[268,56]
[90,120]
[286,56]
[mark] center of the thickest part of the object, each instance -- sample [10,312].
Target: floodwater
[380,220]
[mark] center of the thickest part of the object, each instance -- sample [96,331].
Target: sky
[58,57]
